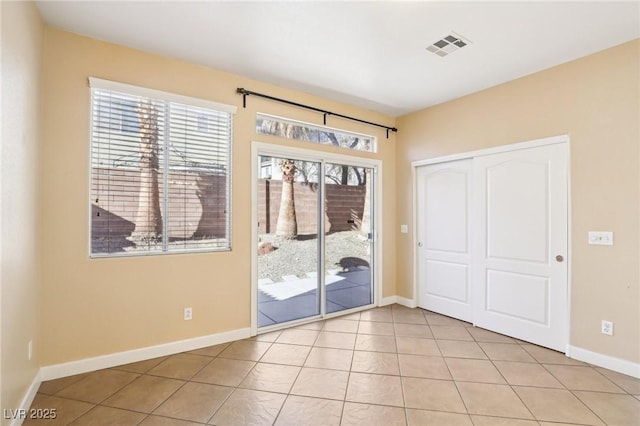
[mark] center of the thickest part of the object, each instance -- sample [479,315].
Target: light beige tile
[321,383]
[335,359]
[314,325]
[340,326]
[505,352]
[412,330]
[415,346]
[451,333]
[500,421]
[246,349]
[556,405]
[548,356]
[628,383]
[222,371]
[482,335]
[295,336]
[51,387]
[614,409]
[61,411]
[429,394]
[211,350]
[98,386]
[107,416]
[459,349]
[409,317]
[352,317]
[271,377]
[582,378]
[153,420]
[286,354]
[249,407]
[375,362]
[428,367]
[436,418]
[300,410]
[375,389]
[141,366]
[144,394]
[527,374]
[267,337]
[369,342]
[355,414]
[474,370]
[492,400]
[382,315]
[379,328]
[180,366]
[329,339]
[437,319]
[195,402]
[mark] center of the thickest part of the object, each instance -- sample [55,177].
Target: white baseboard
[57,371]
[605,361]
[409,303]
[390,300]
[27,400]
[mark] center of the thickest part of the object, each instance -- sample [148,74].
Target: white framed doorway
[492,239]
[333,286]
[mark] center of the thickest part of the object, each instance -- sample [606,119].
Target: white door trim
[487,151]
[261,148]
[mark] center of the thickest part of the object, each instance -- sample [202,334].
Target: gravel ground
[344,250]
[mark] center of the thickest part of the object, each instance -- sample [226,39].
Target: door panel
[288,290]
[348,243]
[517,226]
[521,223]
[443,238]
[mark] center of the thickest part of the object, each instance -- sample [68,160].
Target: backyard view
[289,247]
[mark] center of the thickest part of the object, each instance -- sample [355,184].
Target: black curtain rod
[245,93]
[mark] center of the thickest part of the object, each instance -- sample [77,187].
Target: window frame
[131,90]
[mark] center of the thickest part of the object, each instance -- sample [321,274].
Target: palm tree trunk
[287,225]
[148,224]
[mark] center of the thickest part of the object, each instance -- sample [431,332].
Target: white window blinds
[160,171]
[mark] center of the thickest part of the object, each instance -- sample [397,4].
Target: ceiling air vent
[448,45]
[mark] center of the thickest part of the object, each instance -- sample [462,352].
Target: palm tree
[148,223]
[287,225]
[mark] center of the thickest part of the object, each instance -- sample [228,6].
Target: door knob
[419,244]
[559,258]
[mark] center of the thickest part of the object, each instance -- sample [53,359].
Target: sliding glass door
[315,246]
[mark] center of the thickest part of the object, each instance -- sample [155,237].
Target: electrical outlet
[188,314]
[30,350]
[607,328]
[601,238]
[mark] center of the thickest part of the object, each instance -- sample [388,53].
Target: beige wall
[596,101]
[101,306]
[19,201]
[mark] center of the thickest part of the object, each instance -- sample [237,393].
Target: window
[291,129]
[160,172]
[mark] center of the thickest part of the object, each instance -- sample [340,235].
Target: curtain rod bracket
[245,93]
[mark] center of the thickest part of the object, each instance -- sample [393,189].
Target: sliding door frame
[263,149]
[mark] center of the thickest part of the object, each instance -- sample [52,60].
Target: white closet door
[444,238]
[520,248]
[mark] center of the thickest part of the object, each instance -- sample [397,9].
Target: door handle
[559,258]
[420,244]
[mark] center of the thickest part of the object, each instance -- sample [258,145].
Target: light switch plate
[601,238]
[404,229]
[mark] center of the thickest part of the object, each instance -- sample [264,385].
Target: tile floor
[385,366]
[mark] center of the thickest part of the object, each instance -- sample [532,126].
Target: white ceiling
[369,54]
